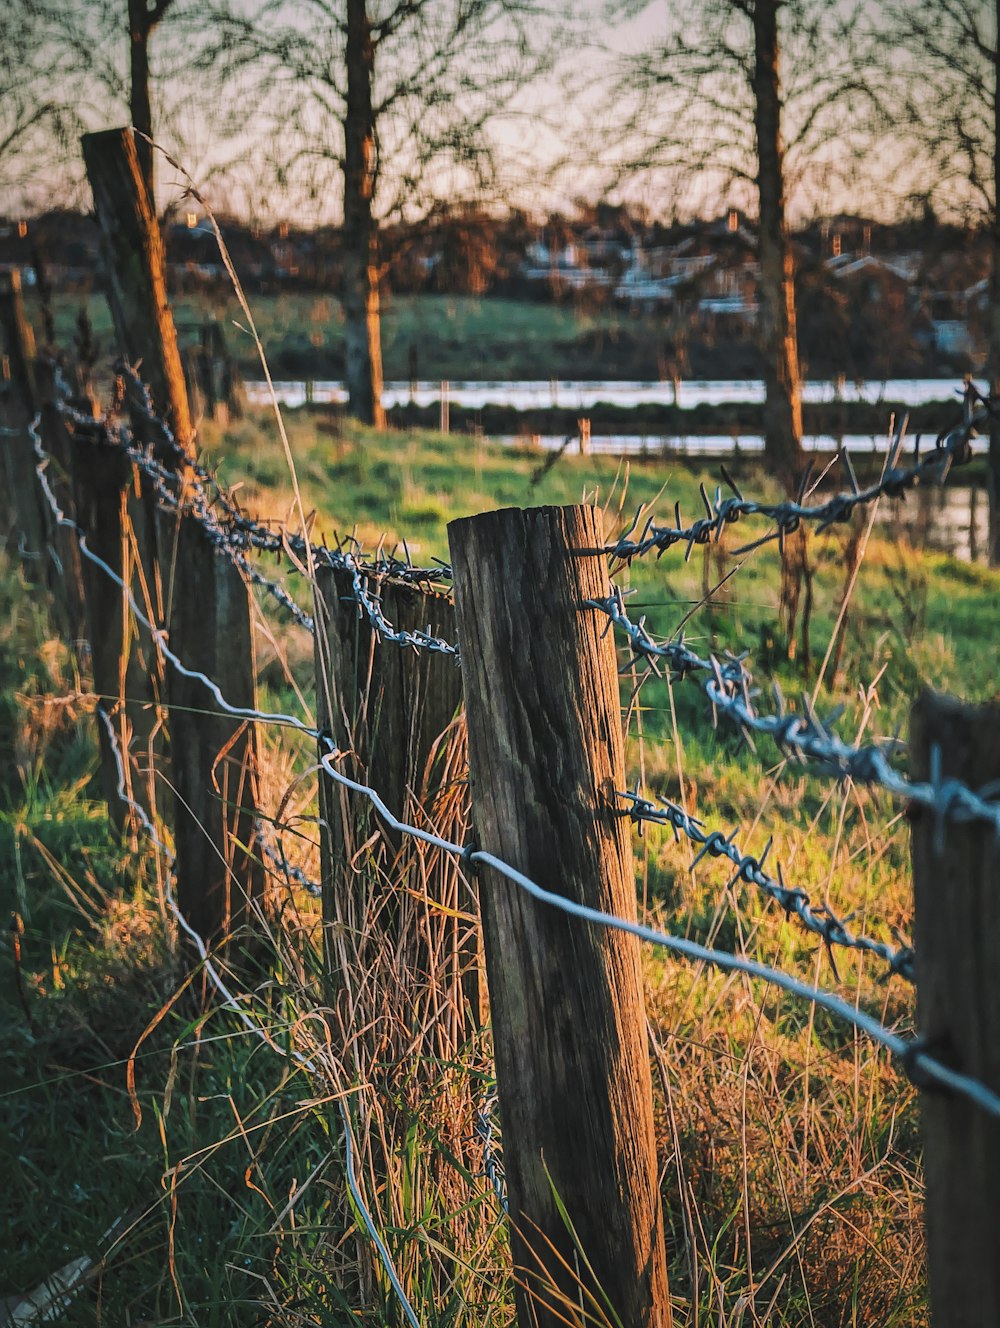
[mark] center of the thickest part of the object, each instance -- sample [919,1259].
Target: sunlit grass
[789,1147]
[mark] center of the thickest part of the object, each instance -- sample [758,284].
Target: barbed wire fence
[728,688]
[178,485]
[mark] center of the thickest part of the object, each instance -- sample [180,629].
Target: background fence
[152,563]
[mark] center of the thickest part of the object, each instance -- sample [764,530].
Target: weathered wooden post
[546,754]
[65,572]
[126,669]
[181,577]
[116,511]
[388,708]
[223,385]
[132,249]
[18,405]
[49,553]
[213,756]
[956,877]
[18,340]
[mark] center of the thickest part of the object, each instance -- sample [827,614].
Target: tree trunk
[362,335]
[993,467]
[140,27]
[782,403]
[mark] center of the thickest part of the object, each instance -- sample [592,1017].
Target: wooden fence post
[132,248]
[213,756]
[956,878]
[115,508]
[125,665]
[65,572]
[388,708]
[49,552]
[18,343]
[546,753]
[18,405]
[200,593]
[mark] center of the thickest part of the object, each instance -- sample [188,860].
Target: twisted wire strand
[820,920]
[805,735]
[273,850]
[236,533]
[485,1131]
[197,505]
[950,449]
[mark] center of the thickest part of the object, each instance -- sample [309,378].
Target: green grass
[790,1149]
[454,337]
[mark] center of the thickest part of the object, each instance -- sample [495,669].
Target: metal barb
[950,449]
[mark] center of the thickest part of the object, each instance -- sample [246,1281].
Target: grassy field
[789,1147]
[454,337]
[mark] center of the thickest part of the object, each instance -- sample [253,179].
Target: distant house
[638,288]
[901,269]
[957,319]
[562,268]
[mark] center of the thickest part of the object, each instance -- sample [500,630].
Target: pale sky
[568,118]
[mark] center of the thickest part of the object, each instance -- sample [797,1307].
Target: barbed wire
[196,505]
[485,1128]
[273,850]
[805,735]
[680,659]
[821,920]
[159,636]
[916,1061]
[950,449]
[199,494]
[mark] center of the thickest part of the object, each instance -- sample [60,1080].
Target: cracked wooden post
[956,932]
[185,583]
[546,753]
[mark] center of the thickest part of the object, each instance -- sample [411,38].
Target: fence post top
[509,515]
[100,136]
[576,527]
[545,508]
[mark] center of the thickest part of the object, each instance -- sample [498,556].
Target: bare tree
[144,16]
[89,62]
[739,101]
[944,62]
[783,394]
[38,126]
[386,105]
